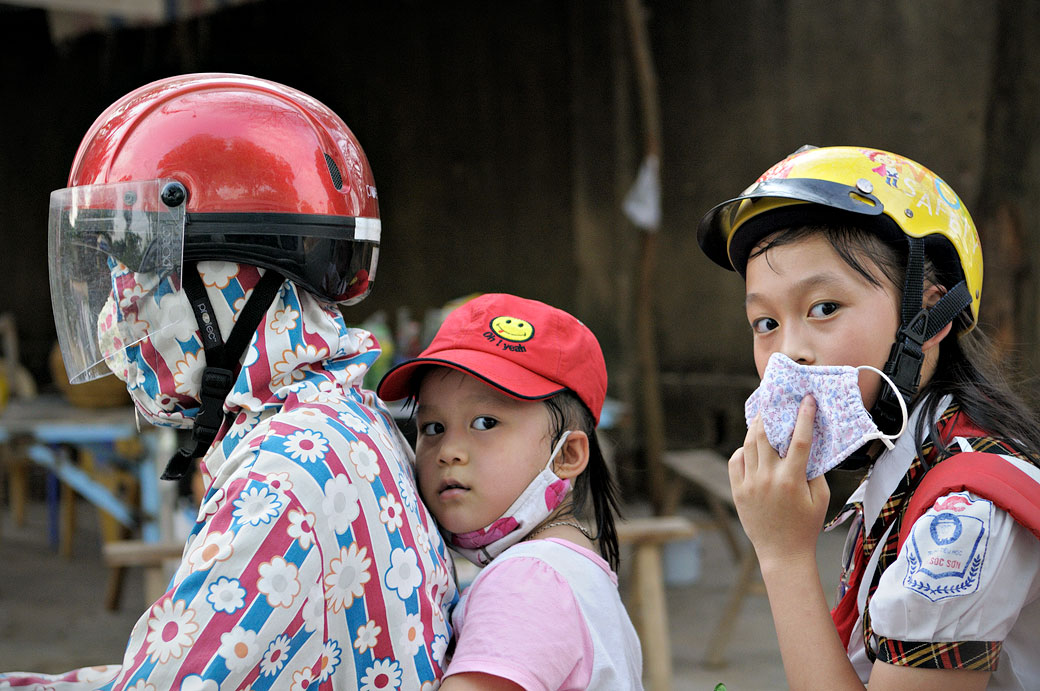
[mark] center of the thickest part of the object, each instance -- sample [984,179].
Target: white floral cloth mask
[842,424]
[542,496]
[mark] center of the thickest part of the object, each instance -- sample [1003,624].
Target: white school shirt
[919,601]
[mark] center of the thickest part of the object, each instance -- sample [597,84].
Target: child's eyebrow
[824,279]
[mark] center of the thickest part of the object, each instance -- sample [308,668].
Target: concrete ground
[52,615]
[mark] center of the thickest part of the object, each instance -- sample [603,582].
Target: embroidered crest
[947,548]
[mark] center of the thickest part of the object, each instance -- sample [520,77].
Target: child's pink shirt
[546,614]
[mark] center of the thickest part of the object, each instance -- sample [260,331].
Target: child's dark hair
[596,483]
[966,368]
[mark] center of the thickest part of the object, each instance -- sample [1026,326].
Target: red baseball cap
[525,348]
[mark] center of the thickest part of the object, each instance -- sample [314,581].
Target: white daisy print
[383,675]
[171,630]
[390,513]
[239,648]
[346,577]
[437,590]
[365,460]
[407,491]
[244,421]
[302,679]
[226,595]
[301,527]
[215,547]
[353,422]
[166,401]
[176,312]
[212,504]
[141,685]
[279,482]
[252,353]
[314,609]
[341,503]
[131,294]
[240,303]
[302,389]
[330,656]
[256,505]
[195,682]
[284,320]
[328,394]
[279,581]
[99,673]
[275,656]
[355,373]
[403,575]
[306,445]
[217,274]
[188,375]
[439,649]
[410,635]
[422,537]
[367,636]
[365,341]
[286,370]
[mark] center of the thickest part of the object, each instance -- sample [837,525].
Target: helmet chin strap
[222,359]
[905,359]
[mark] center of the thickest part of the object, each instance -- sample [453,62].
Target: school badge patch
[947,547]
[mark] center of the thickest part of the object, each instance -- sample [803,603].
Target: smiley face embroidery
[512,329]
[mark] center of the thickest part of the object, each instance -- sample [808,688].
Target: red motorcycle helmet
[268,175]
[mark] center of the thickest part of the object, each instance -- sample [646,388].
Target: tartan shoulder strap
[981,473]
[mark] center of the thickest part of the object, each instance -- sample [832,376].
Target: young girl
[508,396]
[851,263]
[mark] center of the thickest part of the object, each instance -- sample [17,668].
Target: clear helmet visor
[115,251]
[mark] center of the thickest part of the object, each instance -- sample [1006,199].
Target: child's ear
[573,456]
[931,296]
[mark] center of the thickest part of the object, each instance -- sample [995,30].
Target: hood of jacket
[300,338]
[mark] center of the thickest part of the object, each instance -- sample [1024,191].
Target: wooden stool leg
[657,651]
[724,629]
[114,587]
[123,484]
[19,489]
[67,530]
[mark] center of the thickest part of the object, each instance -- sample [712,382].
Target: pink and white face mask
[543,496]
[842,424]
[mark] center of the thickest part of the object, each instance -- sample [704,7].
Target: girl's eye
[823,309]
[428,429]
[764,325]
[484,422]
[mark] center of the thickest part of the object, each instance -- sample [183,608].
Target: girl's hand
[782,513]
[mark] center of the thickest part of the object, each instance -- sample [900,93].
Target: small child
[508,396]
[851,268]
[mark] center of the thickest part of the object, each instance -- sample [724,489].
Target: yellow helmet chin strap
[918,324]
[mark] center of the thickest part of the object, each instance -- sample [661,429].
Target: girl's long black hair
[596,484]
[966,369]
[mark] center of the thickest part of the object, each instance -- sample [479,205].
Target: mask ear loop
[556,450]
[887,438]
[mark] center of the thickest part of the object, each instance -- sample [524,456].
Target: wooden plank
[655,529]
[140,553]
[706,468]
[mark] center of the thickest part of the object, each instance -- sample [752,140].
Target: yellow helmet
[869,188]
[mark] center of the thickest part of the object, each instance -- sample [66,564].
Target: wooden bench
[151,556]
[708,471]
[646,536]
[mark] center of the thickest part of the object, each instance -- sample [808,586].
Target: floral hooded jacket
[312,563]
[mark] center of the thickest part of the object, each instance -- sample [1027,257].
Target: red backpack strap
[984,474]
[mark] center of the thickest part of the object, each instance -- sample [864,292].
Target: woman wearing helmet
[211,224]
[863,274]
